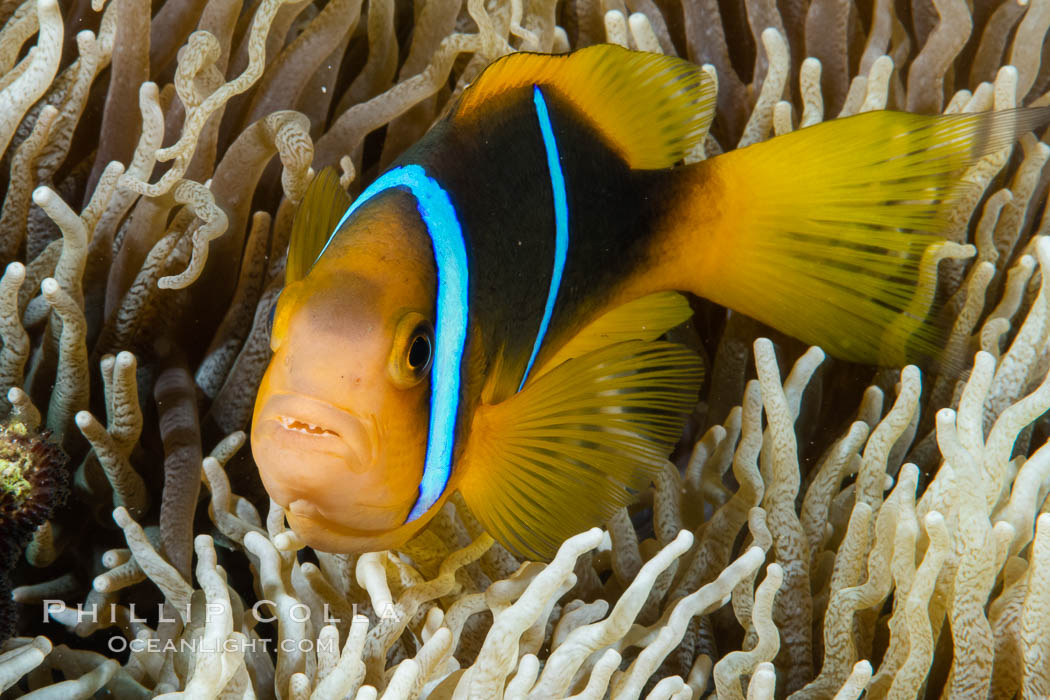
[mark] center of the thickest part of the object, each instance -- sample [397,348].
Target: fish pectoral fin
[651,108]
[577,443]
[645,318]
[833,233]
[322,206]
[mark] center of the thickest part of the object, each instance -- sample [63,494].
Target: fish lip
[327,427]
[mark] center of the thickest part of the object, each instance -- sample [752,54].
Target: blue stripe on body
[561,222]
[450,253]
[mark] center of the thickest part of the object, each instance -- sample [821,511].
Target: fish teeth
[301,426]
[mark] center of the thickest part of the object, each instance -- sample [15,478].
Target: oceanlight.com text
[230,645]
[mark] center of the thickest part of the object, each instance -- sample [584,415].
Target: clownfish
[487,315]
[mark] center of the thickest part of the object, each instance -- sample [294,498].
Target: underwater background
[823,530]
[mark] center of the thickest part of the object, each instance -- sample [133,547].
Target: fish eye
[413,350]
[419,353]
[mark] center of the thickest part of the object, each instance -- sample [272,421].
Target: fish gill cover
[818,538]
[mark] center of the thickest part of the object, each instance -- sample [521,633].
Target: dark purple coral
[33,482]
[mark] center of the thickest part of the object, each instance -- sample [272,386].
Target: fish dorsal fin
[645,318]
[323,205]
[570,448]
[651,108]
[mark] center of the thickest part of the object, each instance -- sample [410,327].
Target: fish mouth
[325,467]
[306,424]
[290,423]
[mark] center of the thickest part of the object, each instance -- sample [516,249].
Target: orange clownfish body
[485,317]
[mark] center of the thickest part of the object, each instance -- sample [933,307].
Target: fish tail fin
[833,233]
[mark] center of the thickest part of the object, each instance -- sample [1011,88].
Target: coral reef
[826,530]
[33,482]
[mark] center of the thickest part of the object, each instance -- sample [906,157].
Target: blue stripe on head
[561,222]
[450,327]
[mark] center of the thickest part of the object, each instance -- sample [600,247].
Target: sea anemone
[826,529]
